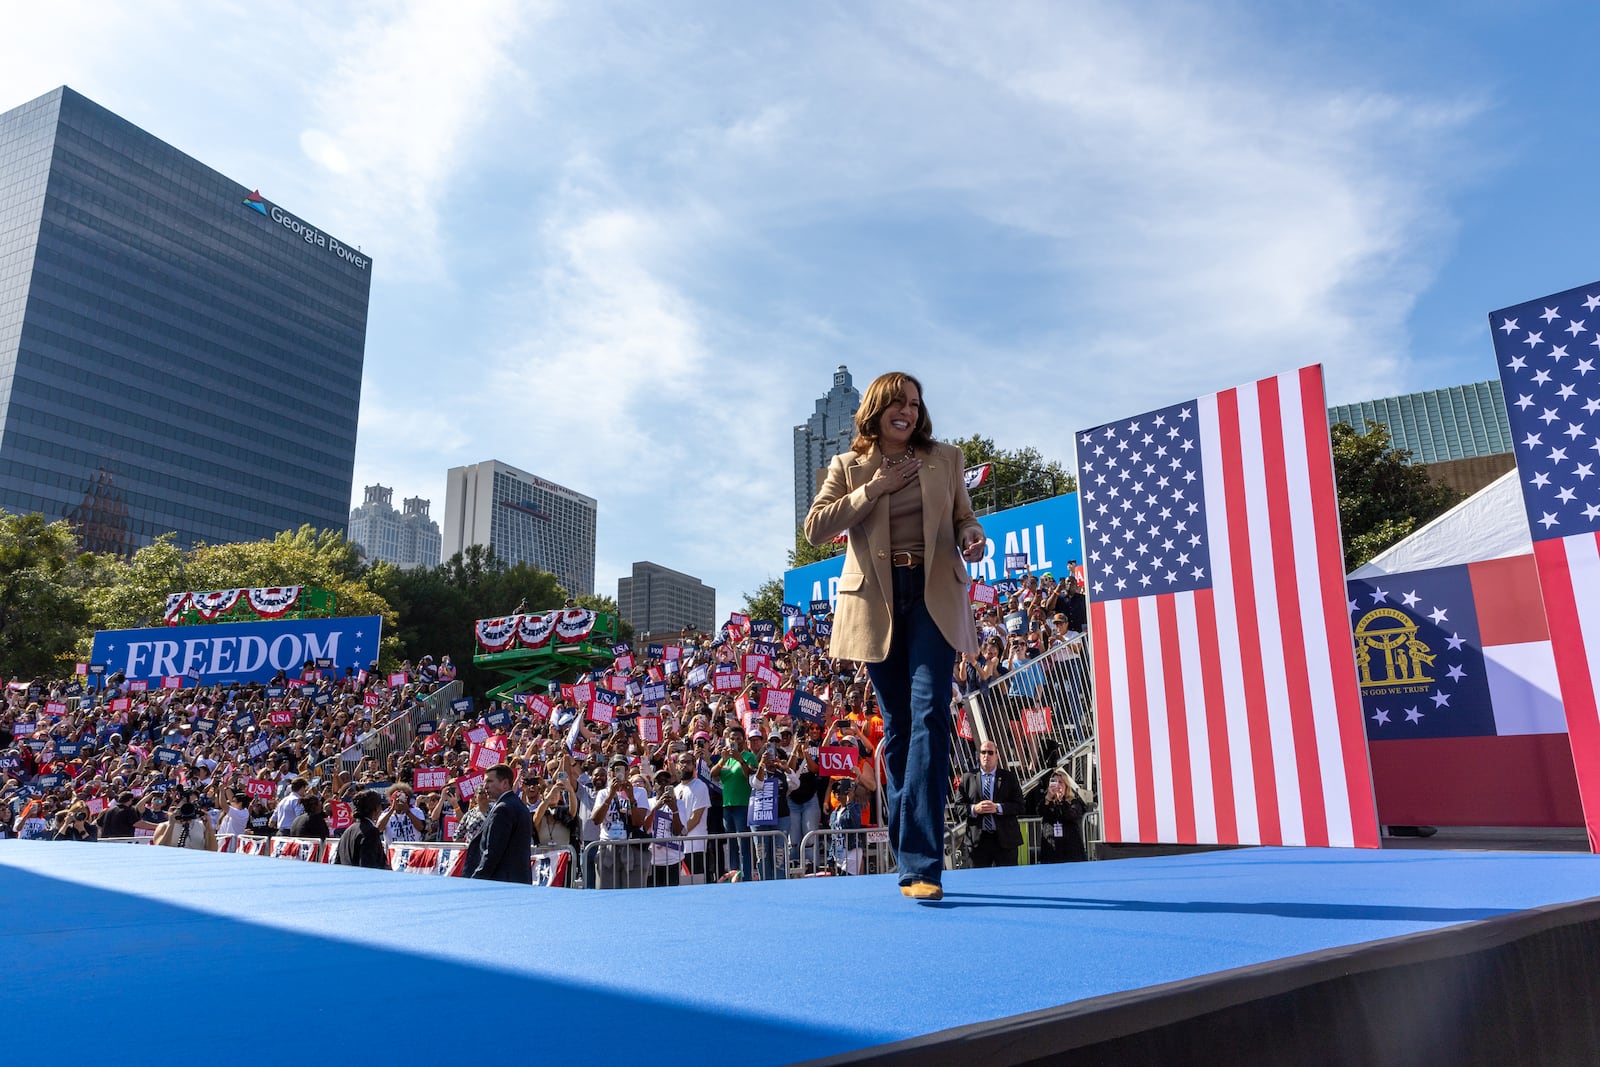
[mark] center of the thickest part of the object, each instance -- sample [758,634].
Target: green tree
[134,592]
[42,582]
[1020,475]
[607,606]
[766,602]
[1383,496]
[805,552]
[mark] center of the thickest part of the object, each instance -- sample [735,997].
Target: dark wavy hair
[883,391]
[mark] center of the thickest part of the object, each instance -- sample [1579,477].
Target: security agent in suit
[990,800]
[506,854]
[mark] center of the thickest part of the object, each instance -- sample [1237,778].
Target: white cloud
[627,250]
[394,116]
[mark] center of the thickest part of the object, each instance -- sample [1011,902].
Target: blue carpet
[103,941]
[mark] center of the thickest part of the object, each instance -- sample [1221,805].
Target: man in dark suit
[361,845]
[991,801]
[506,851]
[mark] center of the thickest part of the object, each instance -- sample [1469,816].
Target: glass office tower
[176,353]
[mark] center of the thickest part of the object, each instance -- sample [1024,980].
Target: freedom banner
[236,651]
[1225,682]
[1547,350]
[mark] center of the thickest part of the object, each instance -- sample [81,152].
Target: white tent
[1489,524]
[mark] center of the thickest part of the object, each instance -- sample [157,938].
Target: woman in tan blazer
[902,606]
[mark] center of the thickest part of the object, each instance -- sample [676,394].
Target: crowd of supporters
[683,755]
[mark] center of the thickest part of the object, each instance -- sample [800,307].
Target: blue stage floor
[105,948]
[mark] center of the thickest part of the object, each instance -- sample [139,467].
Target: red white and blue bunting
[176,602]
[535,631]
[274,602]
[210,605]
[269,603]
[496,635]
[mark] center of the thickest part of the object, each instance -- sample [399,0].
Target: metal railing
[1040,716]
[638,863]
[863,850]
[553,865]
[396,735]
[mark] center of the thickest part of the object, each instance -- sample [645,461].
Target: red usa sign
[264,788]
[281,718]
[837,761]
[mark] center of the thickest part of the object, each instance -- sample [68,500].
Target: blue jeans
[737,821]
[804,816]
[913,686]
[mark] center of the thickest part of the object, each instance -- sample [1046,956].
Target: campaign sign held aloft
[239,651]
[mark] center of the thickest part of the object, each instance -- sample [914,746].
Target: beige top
[905,519]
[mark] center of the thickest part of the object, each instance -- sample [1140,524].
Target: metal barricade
[1089,826]
[863,850]
[1039,715]
[956,856]
[1032,841]
[553,865]
[396,734]
[638,863]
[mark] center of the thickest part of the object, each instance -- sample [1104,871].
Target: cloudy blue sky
[623,246]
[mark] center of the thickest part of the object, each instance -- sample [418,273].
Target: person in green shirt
[734,767]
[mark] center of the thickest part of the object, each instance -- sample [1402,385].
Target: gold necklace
[895,461]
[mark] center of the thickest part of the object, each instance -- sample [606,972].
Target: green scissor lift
[533,669]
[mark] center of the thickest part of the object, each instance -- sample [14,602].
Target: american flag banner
[1224,674]
[1547,350]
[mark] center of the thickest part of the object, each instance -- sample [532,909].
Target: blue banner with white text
[238,651]
[1043,534]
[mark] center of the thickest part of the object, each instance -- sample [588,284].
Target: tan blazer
[865,607]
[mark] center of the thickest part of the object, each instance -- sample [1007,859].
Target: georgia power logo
[305,231]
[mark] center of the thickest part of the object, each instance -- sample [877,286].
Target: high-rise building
[524,518]
[659,600]
[1461,434]
[407,540]
[828,432]
[177,353]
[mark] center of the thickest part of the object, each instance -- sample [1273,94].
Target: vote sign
[431,779]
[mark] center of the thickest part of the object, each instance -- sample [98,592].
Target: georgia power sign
[304,230]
